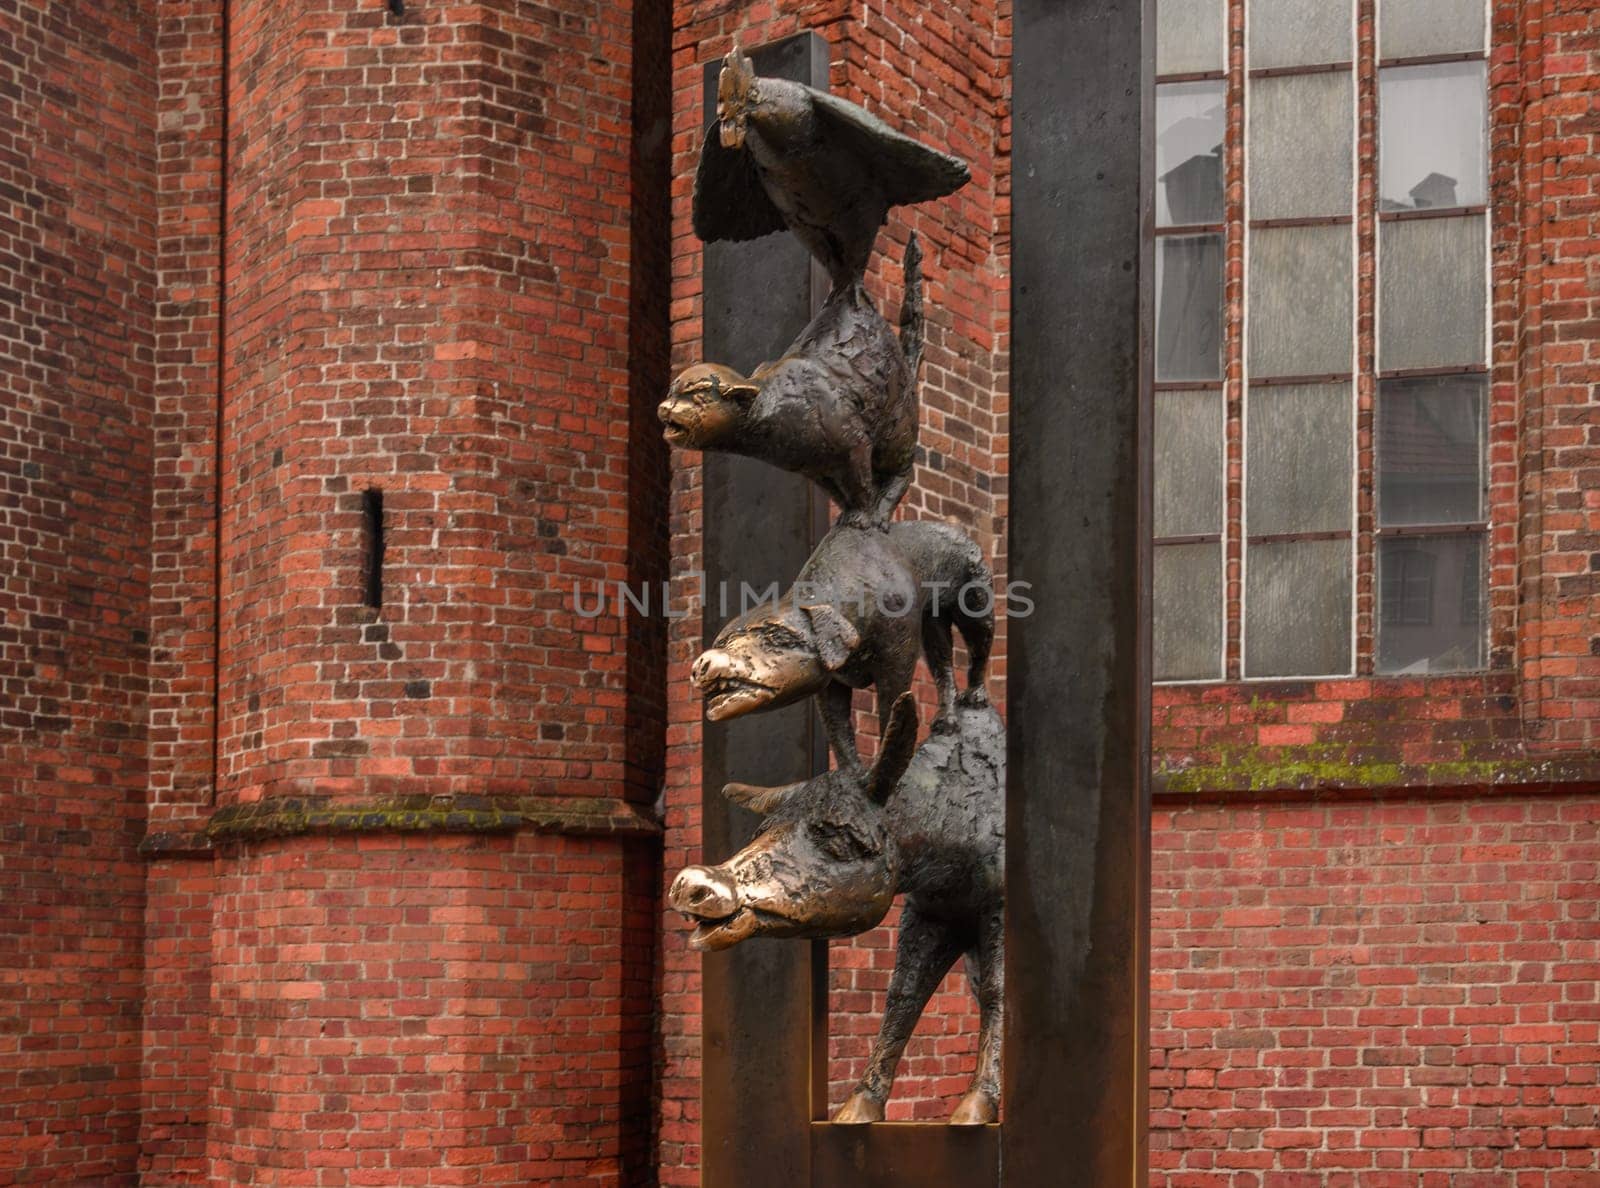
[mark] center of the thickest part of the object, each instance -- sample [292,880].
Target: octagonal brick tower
[433,872]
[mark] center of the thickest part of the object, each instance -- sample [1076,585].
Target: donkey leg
[926,952]
[982,1101]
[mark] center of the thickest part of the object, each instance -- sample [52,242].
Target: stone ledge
[289,816]
[1306,775]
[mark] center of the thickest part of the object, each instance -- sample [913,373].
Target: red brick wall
[188,137]
[432,290]
[1558,647]
[394,1010]
[1377,993]
[188,140]
[77,230]
[428,293]
[174,1099]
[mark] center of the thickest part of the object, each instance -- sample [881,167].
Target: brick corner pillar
[1557,644]
[433,929]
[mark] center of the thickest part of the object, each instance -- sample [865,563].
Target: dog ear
[895,748]
[757,798]
[835,635]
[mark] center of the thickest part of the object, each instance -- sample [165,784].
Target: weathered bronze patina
[785,155]
[840,407]
[834,850]
[854,618]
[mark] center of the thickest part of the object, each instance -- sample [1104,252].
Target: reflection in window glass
[1299,32]
[1188,463]
[1301,145]
[1299,298]
[1189,36]
[1430,603]
[1431,133]
[1417,28]
[1297,608]
[1430,450]
[1190,124]
[1298,458]
[1187,624]
[1432,292]
[1189,307]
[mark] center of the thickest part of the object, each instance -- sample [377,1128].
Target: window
[1287,386]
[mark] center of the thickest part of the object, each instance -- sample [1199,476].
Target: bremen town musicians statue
[840,407]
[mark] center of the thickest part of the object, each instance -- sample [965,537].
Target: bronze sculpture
[785,155]
[854,617]
[840,407]
[834,850]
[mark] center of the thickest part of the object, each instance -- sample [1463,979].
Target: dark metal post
[1078,668]
[760,524]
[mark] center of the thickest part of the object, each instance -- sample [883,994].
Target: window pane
[1188,463]
[1432,128]
[1297,608]
[1299,301]
[1189,36]
[1299,32]
[1432,292]
[1430,450]
[1301,154]
[1191,119]
[1187,599]
[1430,603]
[1297,458]
[1189,307]
[1413,28]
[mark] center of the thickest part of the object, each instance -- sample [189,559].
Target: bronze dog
[854,618]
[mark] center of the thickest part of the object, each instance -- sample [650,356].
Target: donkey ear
[835,635]
[895,748]
[756,798]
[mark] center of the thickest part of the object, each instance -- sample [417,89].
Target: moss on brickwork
[1336,768]
[286,816]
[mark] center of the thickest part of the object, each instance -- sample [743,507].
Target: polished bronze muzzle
[704,893]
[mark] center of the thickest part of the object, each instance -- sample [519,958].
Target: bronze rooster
[785,155]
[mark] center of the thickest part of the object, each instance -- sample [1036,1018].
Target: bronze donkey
[834,850]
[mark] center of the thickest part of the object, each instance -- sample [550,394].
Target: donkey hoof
[977,1108]
[859,1110]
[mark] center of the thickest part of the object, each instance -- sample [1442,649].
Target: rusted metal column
[1077,892]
